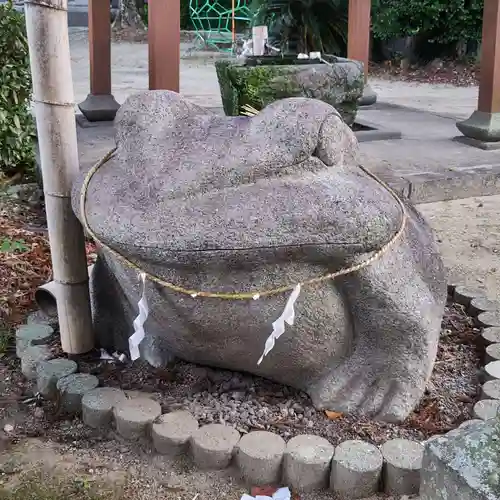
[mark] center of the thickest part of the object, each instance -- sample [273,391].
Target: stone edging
[354,468]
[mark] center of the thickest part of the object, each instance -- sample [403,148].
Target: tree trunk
[128,17]
[47,30]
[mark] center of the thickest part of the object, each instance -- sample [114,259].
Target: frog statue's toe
[238,204]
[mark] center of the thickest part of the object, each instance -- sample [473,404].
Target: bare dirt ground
[468,233]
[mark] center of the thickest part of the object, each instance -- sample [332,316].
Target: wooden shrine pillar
[482,129]
[100,104]
[164,20]
[358,42]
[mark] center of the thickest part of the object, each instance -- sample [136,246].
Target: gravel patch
[251,403]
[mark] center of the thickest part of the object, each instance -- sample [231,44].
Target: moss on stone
[260,85]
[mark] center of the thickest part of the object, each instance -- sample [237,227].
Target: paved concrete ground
[425,163]
[199,82]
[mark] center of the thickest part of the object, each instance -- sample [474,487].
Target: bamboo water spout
[47,30]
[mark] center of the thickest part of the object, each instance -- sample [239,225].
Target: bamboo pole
[47,30]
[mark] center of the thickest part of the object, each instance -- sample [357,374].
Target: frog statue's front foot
[238,204]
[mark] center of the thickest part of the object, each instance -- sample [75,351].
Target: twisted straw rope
[240,295]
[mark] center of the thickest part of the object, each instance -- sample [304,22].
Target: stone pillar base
[369,96]
[99,108]
[481,126]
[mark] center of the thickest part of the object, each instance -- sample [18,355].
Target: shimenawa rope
[240,295]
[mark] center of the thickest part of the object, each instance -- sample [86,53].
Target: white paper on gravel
[287,316]
[137,337]
[280,494]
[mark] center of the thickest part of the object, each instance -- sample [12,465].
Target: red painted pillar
[164,44]
[358,36]
[483,127]
[100,104]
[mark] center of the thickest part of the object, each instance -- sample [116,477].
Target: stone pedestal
[99,108]
[369,96]
[481,126]
[464,465]
[482,129]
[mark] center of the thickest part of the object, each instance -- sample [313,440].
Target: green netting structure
[212,21]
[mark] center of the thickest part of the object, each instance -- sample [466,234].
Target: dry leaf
[333,415]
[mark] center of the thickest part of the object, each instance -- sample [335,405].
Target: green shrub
[435,21]
[17,128]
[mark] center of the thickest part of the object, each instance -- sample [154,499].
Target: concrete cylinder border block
[71,389]
[491,390]
[134,417]
[48,373]
[356,469]
[173,431]
[213,446]
[402,464]
[490,336]
[489,319]
[260,456]
[98,404]
[463,295]
[307,462]
[33,334]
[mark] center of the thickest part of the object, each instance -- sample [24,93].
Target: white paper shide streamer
[287,316]
[136,338]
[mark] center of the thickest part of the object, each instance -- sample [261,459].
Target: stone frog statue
[239,204]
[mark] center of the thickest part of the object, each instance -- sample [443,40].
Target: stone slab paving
[441,99]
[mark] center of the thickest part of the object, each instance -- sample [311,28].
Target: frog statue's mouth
[239,186]
[237,204]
